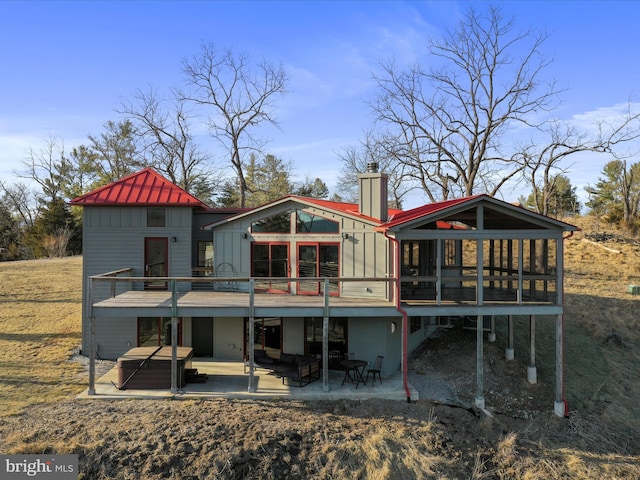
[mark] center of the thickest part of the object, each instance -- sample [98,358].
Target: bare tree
[450,120]
[381,150]
[239,96]
[49,168]
[21,201]
[543,163]
[167,142]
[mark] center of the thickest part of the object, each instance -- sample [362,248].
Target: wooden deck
[237,304]
[201,303]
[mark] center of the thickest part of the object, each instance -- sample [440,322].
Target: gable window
[280,223]
[318,260]
[310,223]
[156,331]
[270,260]
[156,217]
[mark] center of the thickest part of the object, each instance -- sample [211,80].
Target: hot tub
[150,367]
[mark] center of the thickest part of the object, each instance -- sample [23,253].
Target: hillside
[40,325]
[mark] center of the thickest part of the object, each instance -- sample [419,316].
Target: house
[309,276]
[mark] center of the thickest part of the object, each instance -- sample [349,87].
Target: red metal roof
[146,187]
[350,208]
[418,212]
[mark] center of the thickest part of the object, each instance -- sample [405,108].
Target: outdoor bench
[295,370]
[298,370]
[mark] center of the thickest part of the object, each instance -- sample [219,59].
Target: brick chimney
[372,199]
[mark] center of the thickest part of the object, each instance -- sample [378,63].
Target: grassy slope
[39,327]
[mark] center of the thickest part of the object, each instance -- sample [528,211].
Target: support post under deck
[252,387]
[532,373]
[509,352]
[325,339]
[174,338]
[558,404]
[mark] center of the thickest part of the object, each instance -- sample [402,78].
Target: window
[270,260]
[205,254]
[280,223]
[318,260]
[156,331]
[310,223]
[337,338]
[267,335]
[156,217]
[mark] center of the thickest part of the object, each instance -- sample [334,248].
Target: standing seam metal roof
[146,187]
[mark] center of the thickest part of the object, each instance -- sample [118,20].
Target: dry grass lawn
[39,327]
[231,439]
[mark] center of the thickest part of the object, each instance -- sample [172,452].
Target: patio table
[353,371]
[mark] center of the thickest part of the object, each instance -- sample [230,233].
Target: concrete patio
[228,380]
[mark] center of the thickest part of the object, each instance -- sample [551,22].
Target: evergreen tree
[562,198]
[616,196]
[9,235]
[313,188]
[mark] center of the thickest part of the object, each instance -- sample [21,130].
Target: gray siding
[369,337]
[364,253]
[115,336]
[113,238]
[228,338]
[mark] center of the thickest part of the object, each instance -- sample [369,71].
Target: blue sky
[66,66]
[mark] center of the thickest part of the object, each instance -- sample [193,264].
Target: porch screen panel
[539,270]
[459,280]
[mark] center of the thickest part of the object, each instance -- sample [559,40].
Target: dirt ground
[432,438]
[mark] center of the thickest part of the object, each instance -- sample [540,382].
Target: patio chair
[375,370]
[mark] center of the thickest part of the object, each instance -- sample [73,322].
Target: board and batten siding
[113,239]
[364,253]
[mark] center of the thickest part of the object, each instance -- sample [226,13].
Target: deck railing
[110,284]
[461,288]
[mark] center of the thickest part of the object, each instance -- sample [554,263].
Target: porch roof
[497,215]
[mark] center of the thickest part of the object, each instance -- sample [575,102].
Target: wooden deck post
[325,339]
[558,404]
[532,374]
[480,318]
[559,407]
[92,340]
[479,363]
[252,387]
[174,338]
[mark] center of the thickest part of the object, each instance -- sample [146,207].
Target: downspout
[396,267]
[564,400]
